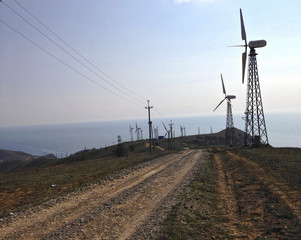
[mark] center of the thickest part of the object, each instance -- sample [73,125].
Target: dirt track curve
[130,206]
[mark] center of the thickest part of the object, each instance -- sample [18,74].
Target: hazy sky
[169,51]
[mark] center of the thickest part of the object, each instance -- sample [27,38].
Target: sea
[284,130]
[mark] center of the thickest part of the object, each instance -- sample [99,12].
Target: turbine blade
[237,45]
[224,90]
[164,126]
[244,60]
[242,25]
[219,104]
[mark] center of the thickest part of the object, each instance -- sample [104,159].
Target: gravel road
[127,205]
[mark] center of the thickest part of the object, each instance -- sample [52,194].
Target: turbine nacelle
[230,97]
[257,44]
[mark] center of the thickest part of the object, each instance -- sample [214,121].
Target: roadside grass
[258,205]
[34,185]
[281,163]
[196,216]
[260,213]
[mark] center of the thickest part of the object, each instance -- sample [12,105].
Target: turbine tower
[230,132]
[137,131]
[182,131]
[168,133]
[156,133]
[255,127]
[131,133]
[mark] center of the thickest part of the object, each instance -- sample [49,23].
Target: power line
[55,34]
[71,55]
[67,52]
[158,113]
[66,64]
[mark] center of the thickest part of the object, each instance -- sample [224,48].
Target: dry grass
[256,210]
[33,185]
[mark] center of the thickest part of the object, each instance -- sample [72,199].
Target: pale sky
[168,51]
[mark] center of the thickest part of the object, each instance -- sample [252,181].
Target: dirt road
[130,205]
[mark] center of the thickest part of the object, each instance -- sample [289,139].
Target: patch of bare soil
[254,204]
[128,206]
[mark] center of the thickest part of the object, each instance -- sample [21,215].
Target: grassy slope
[24,184]
[33,184]
[197,215]
[282,163]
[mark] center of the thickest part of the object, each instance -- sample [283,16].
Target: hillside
[213,193]
[36,176]
[242,193]
[198,190]
[7,155]
[15,160]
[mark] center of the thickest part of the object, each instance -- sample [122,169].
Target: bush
[119,151]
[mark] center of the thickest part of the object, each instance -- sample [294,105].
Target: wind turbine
[230,132]
[182,131]
[131,133]
[137,131]
[168,134]
[255,128]
[155,132]
[172,134]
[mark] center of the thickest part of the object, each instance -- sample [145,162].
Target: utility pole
[149,125]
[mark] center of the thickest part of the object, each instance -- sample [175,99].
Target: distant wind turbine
[230,132]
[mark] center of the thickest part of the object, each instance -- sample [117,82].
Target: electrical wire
[66,64]
[55,34]
[80,62]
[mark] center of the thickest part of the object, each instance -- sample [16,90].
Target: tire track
[251,202]
[121,216]
[288,196]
